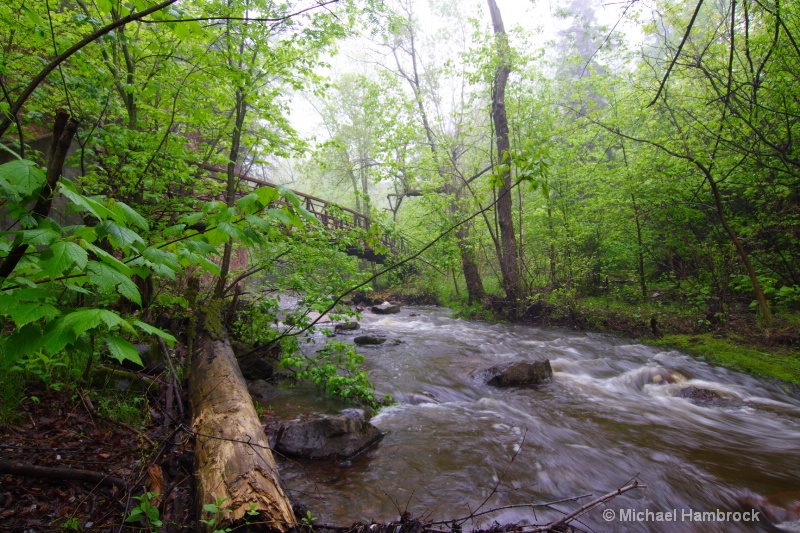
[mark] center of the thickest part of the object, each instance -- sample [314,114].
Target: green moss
[778,364]
[212,324]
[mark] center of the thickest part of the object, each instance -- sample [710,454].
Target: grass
[783,365]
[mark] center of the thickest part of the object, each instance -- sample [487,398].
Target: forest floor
[63,433]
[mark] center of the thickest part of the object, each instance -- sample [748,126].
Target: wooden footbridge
[332,216]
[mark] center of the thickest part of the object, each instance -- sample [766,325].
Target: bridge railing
[331,216]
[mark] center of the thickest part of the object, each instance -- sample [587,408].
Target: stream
[452,442]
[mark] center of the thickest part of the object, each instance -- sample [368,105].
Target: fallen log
[234,467]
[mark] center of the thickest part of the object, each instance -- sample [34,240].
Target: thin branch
[582,510]
[677,53]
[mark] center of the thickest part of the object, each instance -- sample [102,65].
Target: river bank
[736,343]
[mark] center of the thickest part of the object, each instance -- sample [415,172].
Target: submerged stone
[700,396]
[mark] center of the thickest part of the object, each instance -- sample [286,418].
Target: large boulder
[324,437]
[518,373]
[385,308]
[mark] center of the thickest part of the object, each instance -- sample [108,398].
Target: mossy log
[233,461]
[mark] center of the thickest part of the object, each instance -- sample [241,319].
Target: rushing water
[453,441]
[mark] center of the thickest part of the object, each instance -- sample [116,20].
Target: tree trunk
[642,281]
[764,312]
[230,188]
[472,276]
[509,265]
[64,130]
[233,461]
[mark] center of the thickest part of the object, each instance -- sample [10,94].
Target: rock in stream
[325,437]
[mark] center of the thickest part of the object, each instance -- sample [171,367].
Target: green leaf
[200,247]
[23,342]
[92,206]
[108,279]
[120,236]
[308,215]
[26,313]
[217,237]
[83,320]
[266,195]
[249,203]
[283,216]
[76,288]
[232,230]
[42,236]
[152,330]
[258,222]
[128,215]
[192,219]
[8,150]
[289,195]
[62,256]
[56,337]
[110,260]
[23,176]
[122,350]
[208,265]
[162,257]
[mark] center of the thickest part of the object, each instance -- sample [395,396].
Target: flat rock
[325,437]
[385,308]
[518,373]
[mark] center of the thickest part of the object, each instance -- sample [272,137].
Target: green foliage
[145,512]
[336,370]
[127,407]
[218,512]
[308,520]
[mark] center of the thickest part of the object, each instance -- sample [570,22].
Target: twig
[589,506]
[510,506]
[499,478]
